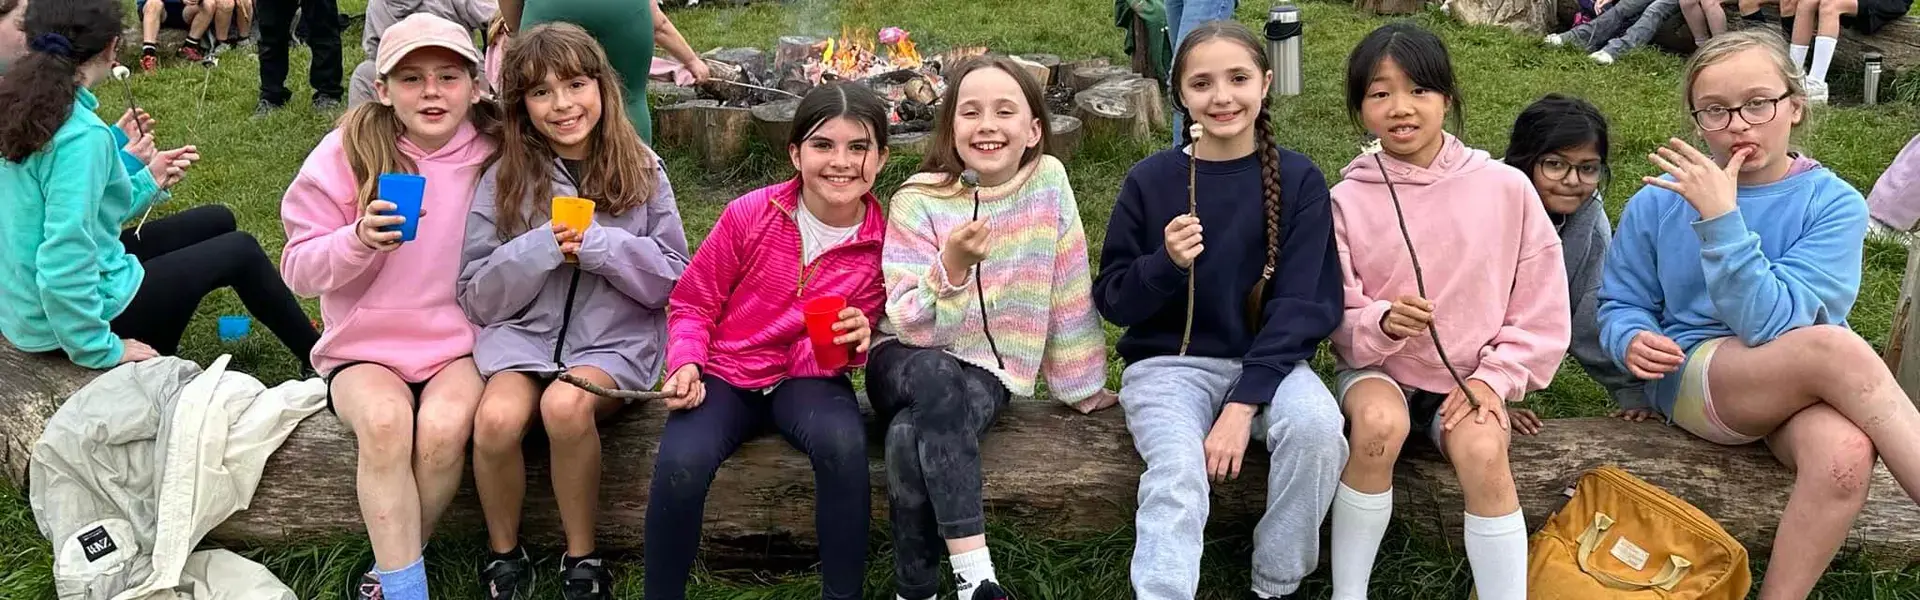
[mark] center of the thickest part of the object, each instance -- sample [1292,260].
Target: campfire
[852,56]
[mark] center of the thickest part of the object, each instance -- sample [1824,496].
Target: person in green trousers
[628,29]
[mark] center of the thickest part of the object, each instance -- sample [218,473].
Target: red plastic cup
[822,313]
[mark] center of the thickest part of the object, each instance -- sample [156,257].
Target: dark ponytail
[39,89]
[1270,191]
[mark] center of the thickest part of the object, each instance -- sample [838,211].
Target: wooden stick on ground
[629,396]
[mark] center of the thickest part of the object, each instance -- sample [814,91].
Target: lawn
[247,164]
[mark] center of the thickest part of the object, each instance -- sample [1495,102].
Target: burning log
[717,89]
[1051,62]
[1041,73]
[1085,77]
[1066,137]
[716,134]
[911,110]
[1109,112]
[921,90]
[791,54]
[774,120]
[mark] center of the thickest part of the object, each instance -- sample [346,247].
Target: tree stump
[1532,17]
[774,120]
[1110,112]
[1145,93]
[1065,142]
[1051,62]
[715,134]
[915,143]
[1387,7]
[1085,77]
[1041,73]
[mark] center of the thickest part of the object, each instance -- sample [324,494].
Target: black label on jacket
[96,543]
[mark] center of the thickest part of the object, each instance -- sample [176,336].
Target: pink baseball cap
[423,30]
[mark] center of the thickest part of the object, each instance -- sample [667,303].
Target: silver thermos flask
[1283,47]
[1871,95]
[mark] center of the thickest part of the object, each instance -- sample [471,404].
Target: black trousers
[320,19]
[191,254]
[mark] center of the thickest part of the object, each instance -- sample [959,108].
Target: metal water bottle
[1283,47]
[1871,95]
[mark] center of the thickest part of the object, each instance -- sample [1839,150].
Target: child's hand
[368,227]
[1491,406]
[1653,356]
[568,239]
[685,389]
[1227,442]
[1525,421]
[1099,400]
[1410,316]
[1634,415]
[132,351]
[141,147]
[700,71]
[853,328]
[1709,187]
[169,167]
[1183,240]
[135,123]
[966,246]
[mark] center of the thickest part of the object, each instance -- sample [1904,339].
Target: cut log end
[716,134]
[1065,142]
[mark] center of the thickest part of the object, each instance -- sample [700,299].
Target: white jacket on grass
[141,463]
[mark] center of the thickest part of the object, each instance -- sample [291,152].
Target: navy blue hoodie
[1140,288]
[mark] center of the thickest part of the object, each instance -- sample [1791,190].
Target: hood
[467,147]
[1455,158]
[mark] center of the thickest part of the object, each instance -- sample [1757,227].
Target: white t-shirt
[817,237]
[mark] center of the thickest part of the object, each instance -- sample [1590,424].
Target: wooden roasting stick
[596,390]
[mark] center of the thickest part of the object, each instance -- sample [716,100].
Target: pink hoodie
[1491,260]
[395,309]
[736,311]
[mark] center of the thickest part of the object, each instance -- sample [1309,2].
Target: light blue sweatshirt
[64,275]
[1788,256]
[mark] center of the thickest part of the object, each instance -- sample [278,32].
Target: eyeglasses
[1757,111]
[1557,170]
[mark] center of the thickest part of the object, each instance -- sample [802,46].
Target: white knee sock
[1497,551]
[1799,55]
[970,569]
[1359,522]
[1822,57]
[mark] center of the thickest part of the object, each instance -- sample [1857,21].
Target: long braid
[1270,186]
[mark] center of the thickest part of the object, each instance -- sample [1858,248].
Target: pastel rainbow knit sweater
[1037,277]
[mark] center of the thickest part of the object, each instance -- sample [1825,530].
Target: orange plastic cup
[575,213]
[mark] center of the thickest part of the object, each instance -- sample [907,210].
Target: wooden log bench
[1056,473]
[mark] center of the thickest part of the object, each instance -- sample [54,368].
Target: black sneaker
[585,578]
[264,108]
[508,577]
[989,590]
[368,588]
[327,104]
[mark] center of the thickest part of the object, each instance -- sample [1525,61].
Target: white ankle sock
[1497,551]
[970,569]
[1799,55]
[1359,522]
[1822,57]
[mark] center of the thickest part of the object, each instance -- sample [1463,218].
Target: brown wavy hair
[39,89]
[1264,143]
[619,171]
[370,134]
[941,156]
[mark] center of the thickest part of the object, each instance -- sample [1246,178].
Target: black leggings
[937,409]
[191,254]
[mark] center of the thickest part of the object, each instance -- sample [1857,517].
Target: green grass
[247,165]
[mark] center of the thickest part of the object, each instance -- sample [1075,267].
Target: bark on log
[1051,62]
[1065,142]
[774,120]
[753,60]
[1087,77]
[1110,112]
[1145,94]
[1387,7]
[1532,17]
[1906,365]
[716,134]
[728,94]
[1054,472]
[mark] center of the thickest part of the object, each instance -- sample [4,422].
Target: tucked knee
[1379,431]
[567,414]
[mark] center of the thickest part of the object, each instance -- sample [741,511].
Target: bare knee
[1843,470]
[1379,430]
[1478,450]
[443,428]
[385,432]
[499,427]
[568,413]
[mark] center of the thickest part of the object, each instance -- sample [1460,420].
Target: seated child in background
[193,16]
[1623,26]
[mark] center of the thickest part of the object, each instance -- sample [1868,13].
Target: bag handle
[1668,576]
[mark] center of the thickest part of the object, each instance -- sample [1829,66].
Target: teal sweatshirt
[1787,256]
[64,275]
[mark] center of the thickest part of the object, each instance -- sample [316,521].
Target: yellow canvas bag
[1621,538]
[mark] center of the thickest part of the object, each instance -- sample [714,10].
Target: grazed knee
[1379,431]
[1845,469]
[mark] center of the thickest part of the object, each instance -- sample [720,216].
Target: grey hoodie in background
[517,290]
[381,14]
[1584,237]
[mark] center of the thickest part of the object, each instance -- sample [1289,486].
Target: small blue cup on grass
[404,190]
[233,328]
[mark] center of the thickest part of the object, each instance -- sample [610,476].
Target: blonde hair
[370,134]
[1726,45]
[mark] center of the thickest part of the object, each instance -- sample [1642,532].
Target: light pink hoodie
[395,309]
[1492,265]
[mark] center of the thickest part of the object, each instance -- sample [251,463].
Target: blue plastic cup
[404,190]
[234,327]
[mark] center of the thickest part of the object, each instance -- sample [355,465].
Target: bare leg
[222,19]
[1479,454]
[199,18]
[572,416]
[376,406]
[1756,389]
[1378,414]
[1806,13]
[1696,18]
[1832,461]
[242,17]
[499,464]
[440,438]
[1716,16]
[151,15]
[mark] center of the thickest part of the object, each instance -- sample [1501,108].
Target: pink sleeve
[1359,340]
[322,252]
[696,302]
[1533,337]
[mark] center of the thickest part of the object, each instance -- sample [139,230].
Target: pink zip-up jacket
[1492,264]
[394,309]
[737,310]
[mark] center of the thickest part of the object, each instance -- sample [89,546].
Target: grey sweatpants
[1626,25]
[1171,403]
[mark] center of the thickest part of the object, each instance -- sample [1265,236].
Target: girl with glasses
[1728,289]
[1561,143]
